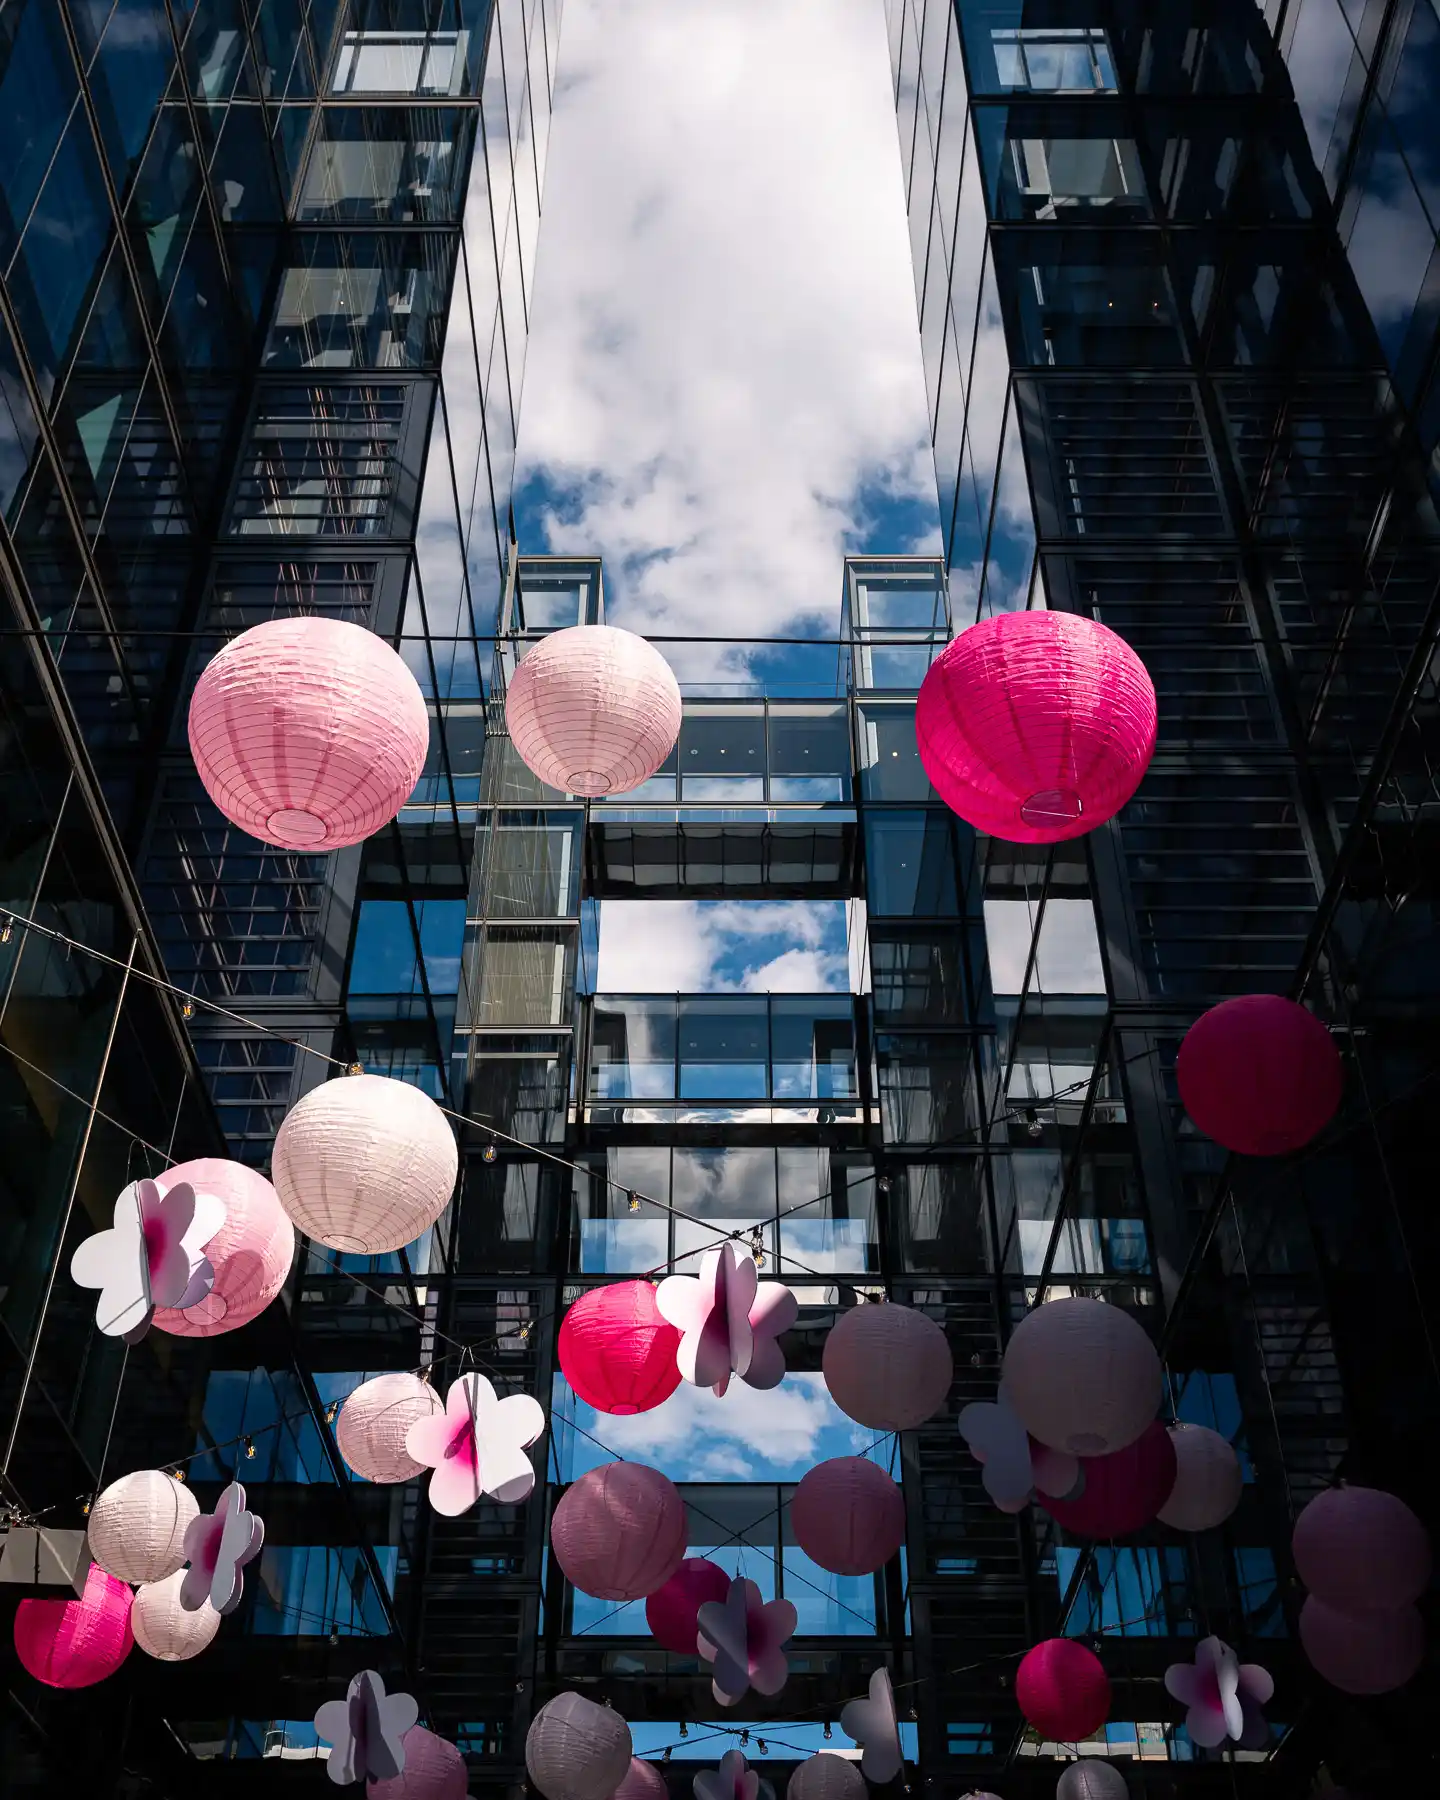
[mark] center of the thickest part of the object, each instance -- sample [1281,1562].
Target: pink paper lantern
[1063,1690]
[619,1531]
[1036,726]
[670,1611]
[1362,1653]
[644,1782]
[251,1253]
[167,1630]
[1260,1075]
[434,1770]
[593,710]
[371,1428]
[1208,1480]
[617,1352]
[848,1516]
[826,1777]
[888,1367]
[1361,1550]
[1123,1492]
[1081,1376]
[75,1643]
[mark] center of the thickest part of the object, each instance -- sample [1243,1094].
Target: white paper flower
[1224,1696]
[150,1257]
[477,1446]
[872,1723]
[366,1730]
[217,1546]
[743,1636]
[729,1321]
[1015,1465]
[733,1780]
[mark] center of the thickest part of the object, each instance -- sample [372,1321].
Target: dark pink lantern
[670,1611]
[434,1770]
[1063,1690]
[848,1516]
[1260,1075]
[617,1352]
[1362,1653]
[1036,726]
[1123,1492]
[1362,1550]
[75,1643]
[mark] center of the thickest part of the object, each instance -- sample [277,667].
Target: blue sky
[708,947]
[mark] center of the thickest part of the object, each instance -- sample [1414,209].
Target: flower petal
[775,1309]
[427,1440]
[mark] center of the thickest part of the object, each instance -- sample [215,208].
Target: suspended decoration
[671,1611]
[848,1516]
[137,1526]
[365,1163]
[1122,1492]
[743,1637]
[644,1782]
[1362,1652]
[618,1533]
[218,1545]
[826,1777]
[1063,1690]
[1224,1696]
[593,710]
[575,1750]
[371,1429]
[887,1366]
[1362,1550]
[617,1351]
[1260,1075]
[1036,726]
[477,1446]
[1208,1480]
[729,1321]
[1082,1375]
[152,1256]
[733,1780]
[366,1730]
[434,1770]
[75,1643]
[308,733]
[873,1724]
[1090,1779]
[251,1253]
[163,1627]
[1017,1468]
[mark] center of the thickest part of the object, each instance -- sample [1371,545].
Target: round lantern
[1123,1492]
[1208,1480]
[163,1629]
[644,1782]
[1362,1653]
[1362,1550]
[75,1643]
[136,1529]
[251,1253]
[1090,1779]
[308,733]
[671,1611]
[371,1428]
[434,1770]
[1063,1690]
[575,1750]
[1082,1376]
[617,1352]
[1260,1075]
[1036,726]
[619,1531]
[593,710]
[365,1163]
[888,1367]
[826,1777]
[848,1516]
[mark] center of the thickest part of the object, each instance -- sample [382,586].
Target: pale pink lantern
[619,1531]
[434,1770]
[1081,1376]
[1362,1550]
[616,1350]
[576,1750]
[371,1428]
[1362,1653]
[1063,1690]
[826,1777]
[75,1643]
[1260,1075]
[136,1528]
[1036,726]
[1208,1480]
[1122,1492]
[644,1782]
[251,1253]
[887,1366]
[848,1516]
[671,1610]
[164,1628]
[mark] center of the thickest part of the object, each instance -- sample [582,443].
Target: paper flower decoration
[1016,1467]
[217,1546]
[477,1446]
[733,1780]
[729,1321]
[150,1257]
[874,1727]
[743,1636]
[1224,1696]
[365,1730]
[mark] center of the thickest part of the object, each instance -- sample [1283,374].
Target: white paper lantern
[593,710]
[575,1750]
[365,1164]
[1208,1480]
[163,1629]
[137,1526]
[1090,1779]
[826,1777]
[1082,1376]
[374,1419]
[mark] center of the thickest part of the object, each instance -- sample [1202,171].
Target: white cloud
[712,947]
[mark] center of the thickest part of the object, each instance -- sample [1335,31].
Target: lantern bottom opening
[1052,806]
[294,829]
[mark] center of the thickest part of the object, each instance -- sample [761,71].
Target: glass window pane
[911,861]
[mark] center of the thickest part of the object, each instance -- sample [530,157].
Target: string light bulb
[744,1737]
[489,1153]
[248,1446]
[187,1008]
[5,932]
[1033,1127]
[762,1746]
[827,1731]
[330,1412]
[633,1199]
[85,1509]
[355,1068]
[177,1473]
[666,1756]
[684,1729]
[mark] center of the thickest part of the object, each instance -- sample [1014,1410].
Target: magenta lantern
[1123,1492]
[617,1352]
[848,1516]
[619,1531]
[670,1611]
[434,1770]
[1260,1075]
[1361,1550]
[1063,1690]
[1081,1376]
[887,1366]
[644,1782]
[1036,726]
[1362,1653]
[75,1643]
[251,1253]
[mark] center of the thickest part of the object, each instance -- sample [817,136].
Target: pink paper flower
[733,1780]
[217,1546]
[743,1636]
[1224,1696]
[367,1730]
[150,1257]
[872,1722]
[1015,1465]
[477,1446]
[729,1321]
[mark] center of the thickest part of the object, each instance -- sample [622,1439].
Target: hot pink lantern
[617,1352]
[848,1516]
[251,1253]
[371,1428]
[593,710]
[1081,1376]
[1036,726]
[619,1531]
[644,1782]
[1260,1075]
[1123,1492]
[1063,1690]
[75,1643]
[670,1611]
[887,1366]
[1208,1480]
[434,1770]
[1362,1653]
[1362,1550]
